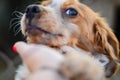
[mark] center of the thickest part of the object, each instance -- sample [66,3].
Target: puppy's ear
[106,42]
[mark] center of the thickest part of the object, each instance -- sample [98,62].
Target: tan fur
[87,31]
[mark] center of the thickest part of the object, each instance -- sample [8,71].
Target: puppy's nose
[32,10]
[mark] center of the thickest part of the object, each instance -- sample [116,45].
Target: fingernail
[14,48]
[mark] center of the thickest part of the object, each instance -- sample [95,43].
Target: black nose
[32,10]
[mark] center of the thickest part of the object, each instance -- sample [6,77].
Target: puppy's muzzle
[33,10]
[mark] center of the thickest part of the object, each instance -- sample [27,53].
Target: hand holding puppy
[36,57]
[44,62]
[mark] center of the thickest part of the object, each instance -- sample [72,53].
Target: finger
[30,55]
[21,48]
[24,51]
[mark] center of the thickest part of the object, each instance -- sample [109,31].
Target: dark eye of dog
[71,12]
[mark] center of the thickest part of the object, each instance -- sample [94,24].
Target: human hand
[36,56]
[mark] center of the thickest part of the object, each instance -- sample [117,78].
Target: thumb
[25,51]
[21,48]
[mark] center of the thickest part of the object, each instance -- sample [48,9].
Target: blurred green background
[110,9]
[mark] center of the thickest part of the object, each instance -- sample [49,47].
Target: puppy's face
[67,22]
[57,23]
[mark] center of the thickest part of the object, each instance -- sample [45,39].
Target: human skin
[38,56]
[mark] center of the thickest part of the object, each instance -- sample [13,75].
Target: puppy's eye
[71,12]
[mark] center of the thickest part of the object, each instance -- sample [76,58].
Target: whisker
[17,13]
[19,16]
[15,27]
[14,19]
[14,24]
[17,31]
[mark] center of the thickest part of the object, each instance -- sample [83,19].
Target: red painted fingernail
[14,49]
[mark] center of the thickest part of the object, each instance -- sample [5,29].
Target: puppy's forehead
[58,1]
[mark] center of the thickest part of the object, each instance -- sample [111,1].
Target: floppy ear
[106,42]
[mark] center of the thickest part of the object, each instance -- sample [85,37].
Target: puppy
[77,32]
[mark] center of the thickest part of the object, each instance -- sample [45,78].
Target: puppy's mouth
[34,31]
[41,36]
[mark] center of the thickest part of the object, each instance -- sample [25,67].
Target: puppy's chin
[37,35]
